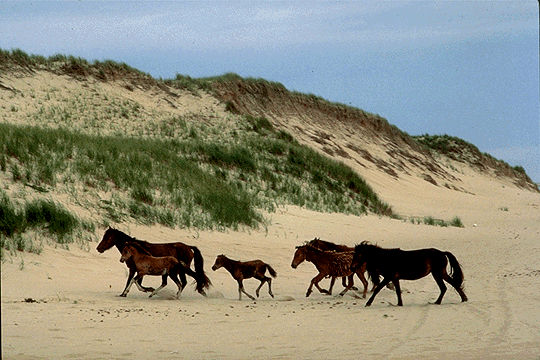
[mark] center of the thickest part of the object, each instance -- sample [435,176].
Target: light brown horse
[327,245]
[329,263]
[145,264]
[241,270]
[178,250]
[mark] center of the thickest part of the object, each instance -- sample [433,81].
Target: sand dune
[64,304]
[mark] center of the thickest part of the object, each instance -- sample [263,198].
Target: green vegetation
[430,220]
[38,215]
[153,167]
[456,221]
[461,150]
[74,66]
[190,181]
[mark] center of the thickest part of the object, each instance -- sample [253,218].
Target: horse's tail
[203,282]
[456,271]
[272,272]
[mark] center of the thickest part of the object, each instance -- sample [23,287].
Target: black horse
[180,251]
[396,264]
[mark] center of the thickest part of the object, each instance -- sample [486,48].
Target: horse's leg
[398,291]
[128,282]
[332,282]
[460,291]
[259,288]
[377,289]
[183,279]
[269,281]
[439,279]
[344,282]
[163,284]
[138,283]
[376,281]
[143,288]
[362,278]
[262,279]
[128,286]
[315,281]
[241,290]
[350,286]
[174,278]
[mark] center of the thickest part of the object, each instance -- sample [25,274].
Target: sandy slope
[78,314]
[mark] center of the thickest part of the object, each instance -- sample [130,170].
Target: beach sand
[77,312]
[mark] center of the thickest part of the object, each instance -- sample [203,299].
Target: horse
[241,270]
[329,263]
[327,245]
[396,264]
[146,264]
[178,250]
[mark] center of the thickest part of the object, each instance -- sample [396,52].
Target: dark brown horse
[329,263]
[178,250]
[145,264]
[241,270]
[327,245]
[396,264]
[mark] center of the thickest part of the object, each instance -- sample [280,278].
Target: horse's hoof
[122,295]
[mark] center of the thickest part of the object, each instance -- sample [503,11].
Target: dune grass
[196,180]
[430,220]
[37,215]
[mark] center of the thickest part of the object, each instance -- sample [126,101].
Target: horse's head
[107,241]
[127,252]
[299,256]
[220,260]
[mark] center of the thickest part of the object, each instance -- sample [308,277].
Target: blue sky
[467,69]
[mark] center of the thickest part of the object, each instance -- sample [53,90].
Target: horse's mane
[328,244]
[366,245]
[125,237]
[333,253]
[138,247]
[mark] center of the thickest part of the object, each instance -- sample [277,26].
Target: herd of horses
[173,260]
